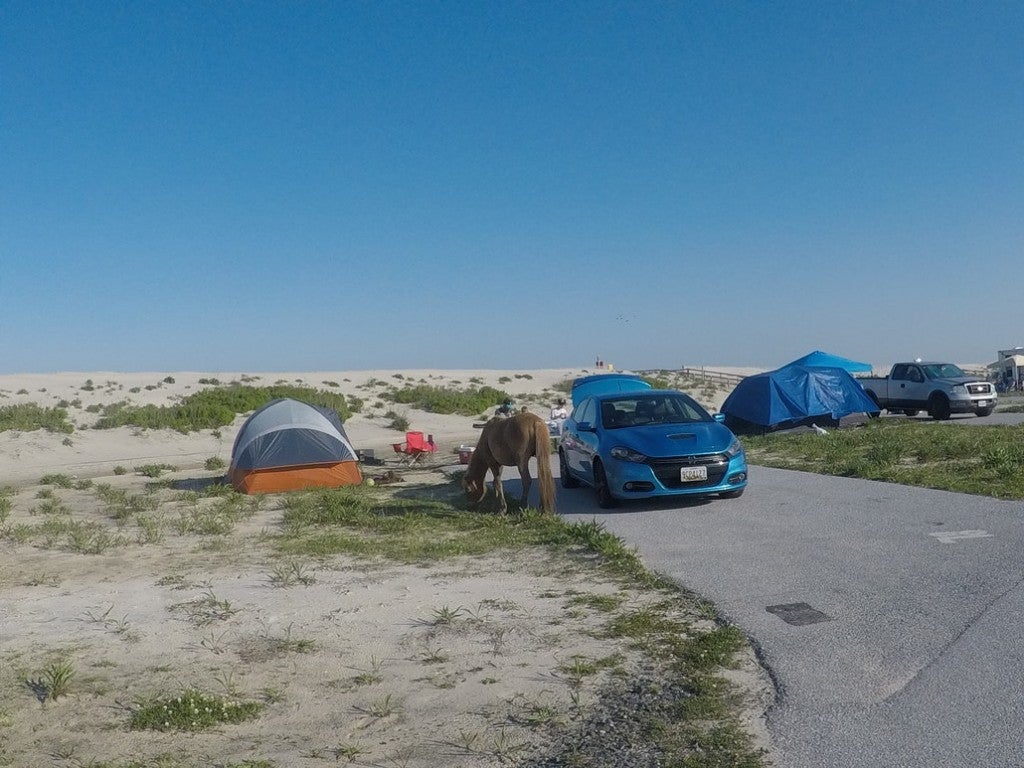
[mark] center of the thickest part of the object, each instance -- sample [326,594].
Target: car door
[916,389]
[577,444]
[901,385]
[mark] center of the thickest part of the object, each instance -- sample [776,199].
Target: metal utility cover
[798,614]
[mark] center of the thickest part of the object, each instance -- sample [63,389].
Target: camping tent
[287,445]
[820,359]
[795,395]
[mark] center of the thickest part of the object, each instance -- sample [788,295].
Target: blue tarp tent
[820,359]
[795,395]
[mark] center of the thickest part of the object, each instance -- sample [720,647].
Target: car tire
[910,412]
[938,407]
[605,500]
[568,481]
[733,494]
[984,411]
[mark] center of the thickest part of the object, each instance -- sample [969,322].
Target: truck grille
[979,389]
[667,470]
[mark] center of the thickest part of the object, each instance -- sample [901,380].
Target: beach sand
[352,659]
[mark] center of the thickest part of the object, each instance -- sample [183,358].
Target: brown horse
[510,442]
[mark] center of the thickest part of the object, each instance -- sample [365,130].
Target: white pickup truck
[938,388]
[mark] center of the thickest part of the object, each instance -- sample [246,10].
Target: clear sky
[254,186]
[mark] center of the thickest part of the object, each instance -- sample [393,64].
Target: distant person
[506,408]
[558,410]
[559,414]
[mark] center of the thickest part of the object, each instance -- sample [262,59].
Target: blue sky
[339,186]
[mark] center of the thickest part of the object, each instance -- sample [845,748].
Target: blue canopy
[820,359]
[794,395]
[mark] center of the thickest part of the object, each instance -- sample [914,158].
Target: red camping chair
[414,448]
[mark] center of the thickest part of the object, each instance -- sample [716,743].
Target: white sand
[357,660]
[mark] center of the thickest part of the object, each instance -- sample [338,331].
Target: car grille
[667,470]
[979,389]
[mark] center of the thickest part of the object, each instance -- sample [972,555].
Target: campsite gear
[414,448]
[288,445]
[465,453]
[792,396]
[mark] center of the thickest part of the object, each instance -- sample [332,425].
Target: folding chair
[414,448]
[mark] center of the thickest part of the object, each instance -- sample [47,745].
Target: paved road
[920,663]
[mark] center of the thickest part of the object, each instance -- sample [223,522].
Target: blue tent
[820,359]
[795,395]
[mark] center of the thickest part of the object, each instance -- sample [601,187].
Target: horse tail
[542,450]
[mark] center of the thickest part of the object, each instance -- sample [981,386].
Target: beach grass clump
[213,408]
[192,710]
[446,400]
[29,417]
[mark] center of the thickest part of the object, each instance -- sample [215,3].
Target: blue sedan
[649,443]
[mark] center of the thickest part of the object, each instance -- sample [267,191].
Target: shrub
[29,417]
[214,462]
[213,408]
[466,402]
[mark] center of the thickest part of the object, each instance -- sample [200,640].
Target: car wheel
[605,500]
[984,411]
[938,407]
[568,481]
[911,412]
[733,494]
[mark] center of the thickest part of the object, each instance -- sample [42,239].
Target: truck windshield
[942,371]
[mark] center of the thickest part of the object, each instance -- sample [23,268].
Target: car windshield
[638,410]
[942,371]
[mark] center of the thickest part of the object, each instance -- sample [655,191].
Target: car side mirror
[719,417]
[584,426]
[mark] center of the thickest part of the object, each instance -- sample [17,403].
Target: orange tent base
[280,479]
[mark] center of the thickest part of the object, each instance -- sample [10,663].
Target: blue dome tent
[795,395]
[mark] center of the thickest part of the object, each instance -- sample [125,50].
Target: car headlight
[735,448]
[627,454]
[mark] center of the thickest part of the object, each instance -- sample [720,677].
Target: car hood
[662,440]
[959,380]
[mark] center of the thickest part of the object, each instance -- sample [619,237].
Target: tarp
[795,395]
[288,444]
[605,384]
[820,359]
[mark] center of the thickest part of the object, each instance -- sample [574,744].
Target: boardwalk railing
[703,375]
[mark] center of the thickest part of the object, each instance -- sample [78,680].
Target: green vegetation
[192,710]
[28,417]
[212,408]
[214,462]
[984,460]
[465,402]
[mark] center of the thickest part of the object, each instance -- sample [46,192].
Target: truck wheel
[938,407]
[911,412]
[984,411]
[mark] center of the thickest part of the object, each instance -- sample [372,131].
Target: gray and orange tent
[287,445]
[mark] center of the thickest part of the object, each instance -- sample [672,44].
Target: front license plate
[983,402]
[690,474]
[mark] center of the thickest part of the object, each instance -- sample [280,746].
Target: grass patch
[465,402]
[192,710]
[216,407]
[983,460]
[29,417]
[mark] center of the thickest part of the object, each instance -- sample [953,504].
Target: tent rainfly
[287,445]
[819,359]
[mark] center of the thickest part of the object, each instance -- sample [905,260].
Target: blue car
[648,443]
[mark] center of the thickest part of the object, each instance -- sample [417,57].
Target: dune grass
[217,407]
[29,417]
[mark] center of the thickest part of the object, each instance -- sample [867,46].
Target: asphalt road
[917,661]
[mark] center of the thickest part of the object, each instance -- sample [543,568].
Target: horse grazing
[510,442]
